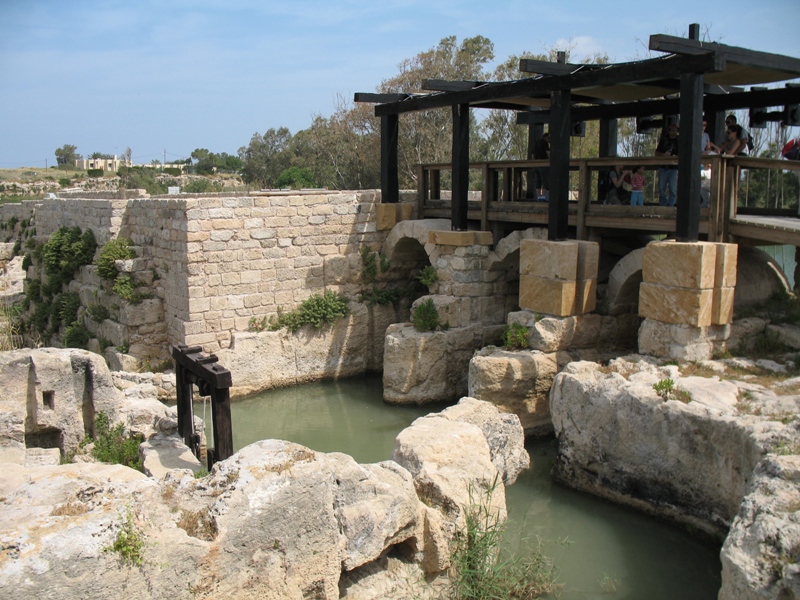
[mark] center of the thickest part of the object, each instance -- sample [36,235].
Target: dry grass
[70,509]
[198,524]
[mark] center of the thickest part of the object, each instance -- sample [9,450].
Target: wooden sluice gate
[192,367]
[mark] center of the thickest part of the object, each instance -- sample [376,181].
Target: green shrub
[426,317]
[27,261]
[174,171]
[515,336]
[381,297]
[428,276]
[128,289]
[94,172]
[317,311]
[33,290]
[40,318]
[664,388]
[65,251]
[17,248]
[295,178]
[116,249]
[76,336]
[68,309]
[202,186]
[98,313]
[111,445]
[64,182]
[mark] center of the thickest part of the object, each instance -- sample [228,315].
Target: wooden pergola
[693,79]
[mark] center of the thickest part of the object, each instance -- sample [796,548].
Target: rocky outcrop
[720,455]
[276,520]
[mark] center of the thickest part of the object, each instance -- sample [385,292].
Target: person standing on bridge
[668,174]
[541,151]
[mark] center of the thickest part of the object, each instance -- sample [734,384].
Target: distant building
[107,164]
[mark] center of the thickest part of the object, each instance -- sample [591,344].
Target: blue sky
[175,75]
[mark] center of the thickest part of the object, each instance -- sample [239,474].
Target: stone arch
[400,246]
[758,276]
[622,293]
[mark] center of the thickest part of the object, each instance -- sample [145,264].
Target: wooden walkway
[501,204]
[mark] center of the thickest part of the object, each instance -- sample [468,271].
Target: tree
[295,178]
[101,155]
[67,155]
[265,157]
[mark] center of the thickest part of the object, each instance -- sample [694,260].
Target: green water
[609,547]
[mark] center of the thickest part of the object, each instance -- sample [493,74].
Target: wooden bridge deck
[502,205]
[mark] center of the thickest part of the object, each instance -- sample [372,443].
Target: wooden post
[584,196]
[560,128]
[485,195]
[390,187]
[535,132]
[423,183]
[223,430]
[608,147]
[458,218]
[687,218]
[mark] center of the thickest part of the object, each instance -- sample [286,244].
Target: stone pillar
[558,277]
[686,298]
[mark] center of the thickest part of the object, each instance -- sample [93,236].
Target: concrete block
[722,305]
[679,264]
[549,260]
[549,296]
[460,238]
[726,263]
[677,305]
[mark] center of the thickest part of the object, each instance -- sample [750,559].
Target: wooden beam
[441,85]
[560,121]
[458,217]
[633,72]
[742,56]
[545,67]
[379,98]
[390,186]
[687,218]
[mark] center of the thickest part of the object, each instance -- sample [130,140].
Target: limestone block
[460,238]
[150,310]
[516,382]
[722,305]
[550,334]
[726,265]
[676,304]
[414,365]
[550,296]
[336,270]
[585,296]
[161,454]
[385,216]
[550,260]
[405,211]
[588,260]
[679,264]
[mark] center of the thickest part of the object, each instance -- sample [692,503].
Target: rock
[161,454]
[414,365]
[517,382]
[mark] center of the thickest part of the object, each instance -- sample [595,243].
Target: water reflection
[609,548]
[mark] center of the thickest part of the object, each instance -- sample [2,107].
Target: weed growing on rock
[664,388]
[515,336]
[129,543]
[428,276]
[480,571]
[126,288]
[112,446]
[317,311]
[98,313]
[113,250]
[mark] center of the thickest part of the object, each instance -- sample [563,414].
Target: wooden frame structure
[694,78]
[192,367]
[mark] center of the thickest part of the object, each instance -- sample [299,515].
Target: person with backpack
[736,144]
[668,174]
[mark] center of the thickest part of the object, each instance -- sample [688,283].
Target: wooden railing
[505,194]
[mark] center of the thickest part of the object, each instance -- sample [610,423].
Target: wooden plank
[441,85]
[216,375]
[390,186]
[223,427]
[378,98]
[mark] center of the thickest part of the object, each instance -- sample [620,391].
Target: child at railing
[637,186]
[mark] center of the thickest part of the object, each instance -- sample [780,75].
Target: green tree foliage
[266,156]
[132,178]
[65,251]
[206,162]
[67,155]
[101,155]
[115,249]
[295,178]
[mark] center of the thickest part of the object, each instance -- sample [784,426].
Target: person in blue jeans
[668,175]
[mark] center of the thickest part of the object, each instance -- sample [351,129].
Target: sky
[165,77]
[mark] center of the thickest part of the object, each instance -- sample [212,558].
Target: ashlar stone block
[460,238]
[678,305]
[722,305]
[550,296]
[385,216]
[680,264]
[548,259]
[727,258]
[588,260]
[585,296]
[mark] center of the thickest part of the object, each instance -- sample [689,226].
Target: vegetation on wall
[113,250]
[111,445]
[316,311]
[426,318]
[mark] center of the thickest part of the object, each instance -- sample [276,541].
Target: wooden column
[608,147]
[223,429]
[458,219]
[560,128]
[687,219]
[390,187]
